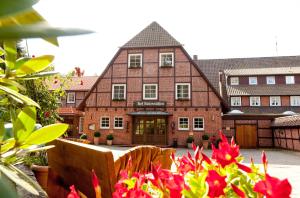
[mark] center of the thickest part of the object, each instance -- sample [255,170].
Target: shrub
[205,137]
[83,136]
[190,139]
[109,137]
[97,134]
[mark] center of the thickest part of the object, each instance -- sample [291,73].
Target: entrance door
[150,130]
[246,136]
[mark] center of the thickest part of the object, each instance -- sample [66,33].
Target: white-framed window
[183,123]
[182,91]
[166,59]
[118,123]
[253,80]
[271,80]
[289,79]
[119,92]
[71,97]
[104,122]
[275,101]
[254,101]
[295,100]
[234,81]
[80,127]
[150,91]
[236,101]
[135,60]
[198,123]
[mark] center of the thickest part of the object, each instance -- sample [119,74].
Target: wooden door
[150,130]
[246,136]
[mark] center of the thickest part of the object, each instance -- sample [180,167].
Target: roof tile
[152,36]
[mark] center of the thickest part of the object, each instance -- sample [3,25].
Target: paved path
[282,163]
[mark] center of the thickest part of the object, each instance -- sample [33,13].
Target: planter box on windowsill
[116,100]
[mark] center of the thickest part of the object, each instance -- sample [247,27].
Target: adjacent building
[257,90]
[152,92]
[76,89]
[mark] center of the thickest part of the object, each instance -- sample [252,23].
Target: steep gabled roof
[152,36]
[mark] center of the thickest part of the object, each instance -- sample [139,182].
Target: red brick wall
[287,138]
[203,102]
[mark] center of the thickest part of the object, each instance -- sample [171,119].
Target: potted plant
[205,139]
[190,141]
[97,135]
[109,139]
[38,163]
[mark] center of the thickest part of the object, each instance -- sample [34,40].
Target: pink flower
[272,187]
[216,183]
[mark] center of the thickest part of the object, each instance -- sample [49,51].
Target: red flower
[96,185]
[227,153]
[47,114]
[216,183]
[264,161]
[73,193]
[272,187]
[244,168]
[238,191]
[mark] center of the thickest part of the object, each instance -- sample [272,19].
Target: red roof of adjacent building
[83,83]
[69,111]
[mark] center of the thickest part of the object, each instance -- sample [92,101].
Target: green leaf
[5,81]
[9,7]
[7,188]
[38,75]
[35,65]
[21,61]
[1,60]
[7,145]
[2,52]
[21,179]
[45,134]
[11,53]
[24,124]
[40,30]
[2,130]
[19,96]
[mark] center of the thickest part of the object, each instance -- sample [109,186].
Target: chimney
[195,57]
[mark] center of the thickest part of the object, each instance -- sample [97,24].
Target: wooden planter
[41,175]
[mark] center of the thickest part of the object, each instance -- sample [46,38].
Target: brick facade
[203,100]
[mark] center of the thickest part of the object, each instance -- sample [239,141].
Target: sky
[211,29]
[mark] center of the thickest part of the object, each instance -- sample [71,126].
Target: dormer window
[166,59]
[271,80]
[234,81]
[134,60]
[253,80]
[289,80]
